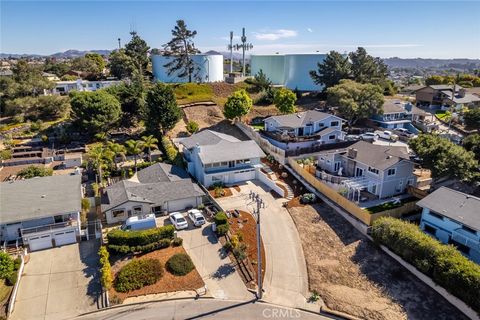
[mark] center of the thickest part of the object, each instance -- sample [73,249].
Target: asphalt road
[201,309]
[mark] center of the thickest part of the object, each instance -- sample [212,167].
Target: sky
[406,29]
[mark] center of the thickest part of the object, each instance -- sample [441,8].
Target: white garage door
[244,176]
[66,237]
[40,242]
[182,204]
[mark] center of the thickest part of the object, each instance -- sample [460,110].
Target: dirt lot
[353,276]
[168,282]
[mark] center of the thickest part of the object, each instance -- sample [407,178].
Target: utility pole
[231,51]
[260,204]
[119,44]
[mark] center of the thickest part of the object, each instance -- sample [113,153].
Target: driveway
[215,268]
[285,280]
[59,283]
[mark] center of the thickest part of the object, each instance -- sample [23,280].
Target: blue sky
[427,29]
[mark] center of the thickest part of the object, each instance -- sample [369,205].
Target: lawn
[192,92]
[389,205]
[442,115]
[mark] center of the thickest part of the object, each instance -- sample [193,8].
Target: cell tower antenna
[230,47]
[244,46]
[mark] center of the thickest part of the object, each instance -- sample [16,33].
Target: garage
[181,204]
[244,175]
[66,237]
[40,242]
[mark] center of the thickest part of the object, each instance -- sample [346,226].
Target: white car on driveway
[387,135]
[178,220]
[368,136]
[196,217]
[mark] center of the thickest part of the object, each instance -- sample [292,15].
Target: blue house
[453,217]
[396,114]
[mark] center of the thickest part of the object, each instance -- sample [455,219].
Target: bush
[5,154]
[177,242]
[17,263]
[240,252]
[180,264]
[169,148]
[307,198]
[443,263]
[7,265]
[227,246]
[222,229]
[221,218]
[124,249]
[137,274]
[141,237]
[12,278]
[219,192]
[192,127]
[106,278]
[285,101]
[85,204]
[35,171]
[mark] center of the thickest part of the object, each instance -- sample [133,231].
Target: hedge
[106,278]
[180,264]
[221,218]
[137,274]
[141,237]
[124,249]
[443,263]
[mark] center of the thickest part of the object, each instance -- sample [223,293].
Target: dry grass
[168,282]
[353,276]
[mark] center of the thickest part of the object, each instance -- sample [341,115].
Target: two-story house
[453,217]
[444,95]
[303,129]
[383,171]
[395,115]
[215,157]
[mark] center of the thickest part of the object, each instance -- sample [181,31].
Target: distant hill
[66,54]
[420,63]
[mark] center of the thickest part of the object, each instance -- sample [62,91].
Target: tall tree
[472,118]
[150,142]
[355,100]
[118,150]
[95,111]
[472,143]
[97,60]
[161,110]
[238,105]
[181,47]
[100,156]
[132,98]
[334,68]
[27,81]
[367,69]
[285,101]
[137,50]
[261,82]
[84,64]
[120,64]
[135,148]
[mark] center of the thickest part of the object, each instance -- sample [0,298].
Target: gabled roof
[39,197]
[161,172]
[230,151]
[206,137]
[300,119]
[377,156]
[453,204]
[393,106]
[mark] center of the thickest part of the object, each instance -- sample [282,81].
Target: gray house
[383,171]
[157,189]
[40,212]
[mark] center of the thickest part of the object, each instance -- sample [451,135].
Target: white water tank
[210,68]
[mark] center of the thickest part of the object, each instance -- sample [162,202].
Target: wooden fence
[349,206]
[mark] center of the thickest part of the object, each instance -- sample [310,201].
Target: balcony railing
[49,227]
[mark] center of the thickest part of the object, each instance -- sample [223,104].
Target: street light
[260,204]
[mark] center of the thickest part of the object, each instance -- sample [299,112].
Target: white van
[141,222]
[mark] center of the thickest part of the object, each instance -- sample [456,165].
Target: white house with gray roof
[453,217]
[41,212]
[215,157]
[157,189]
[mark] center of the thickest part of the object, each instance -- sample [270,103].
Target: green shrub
[443,263]
[85,204]
[180,264]
[7,265]
[124,249]
[240,252]
[192,127]
[170,150]
[12,278]
[35,171]
[177,242]
[5,154]
[307,198]
[221,218]
[227,246]
[141,237]
[222,229]
[106,278]
[137,274]
[17,263]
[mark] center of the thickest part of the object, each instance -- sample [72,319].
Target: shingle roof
[393,106]
[300,119]
[161,172]
[206,137]
[229,151]
[453,204]
[39,197]
[377,156]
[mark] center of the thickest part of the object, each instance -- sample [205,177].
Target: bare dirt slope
[352,275]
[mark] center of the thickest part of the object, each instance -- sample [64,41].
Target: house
[157,189]
[215,157]
[41,212]
[72,160]
[453,217]
[64,87]
[383,171]
[50,76]
[303,129]
[446,96]
[395,115]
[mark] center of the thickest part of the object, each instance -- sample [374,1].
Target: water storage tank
[297,71]
[210,68]
[272,65]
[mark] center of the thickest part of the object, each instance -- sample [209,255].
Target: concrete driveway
[215,268]
[59,283]
[286,279]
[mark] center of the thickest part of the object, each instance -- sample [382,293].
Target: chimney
[352,153]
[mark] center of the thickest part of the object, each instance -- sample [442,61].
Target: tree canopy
[38,108]
[367,69]
[120,64]
[161,109]
[444,158]
[334,68]
[180,48]
[472,143]
[355,100]
[132,99]
[237,105]
[35,171]
[472,118]
[137,50]
[285,100]
[95,111]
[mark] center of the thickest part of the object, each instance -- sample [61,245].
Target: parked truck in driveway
[387,135]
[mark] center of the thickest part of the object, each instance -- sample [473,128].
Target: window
[239,161]
[373,170]
[331,137]
[216,164]
[118,213]
[391,172]
[436,215]
[157,209]
[208,165]
[430,230]
[469,229]
[246,161]
[334,124]
[224,164]
[137,210]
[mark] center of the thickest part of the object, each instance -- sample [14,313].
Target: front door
[300,131]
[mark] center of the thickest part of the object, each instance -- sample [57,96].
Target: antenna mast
[244,46]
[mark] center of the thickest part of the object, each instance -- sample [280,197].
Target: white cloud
[275,34]
[309,30]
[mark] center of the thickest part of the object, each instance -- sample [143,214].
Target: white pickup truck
[387,135]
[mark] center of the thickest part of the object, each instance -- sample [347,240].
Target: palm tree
[118,151]
[98,156]
[150,142]
[134,147]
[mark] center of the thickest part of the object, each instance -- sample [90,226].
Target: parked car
[352,137]
[368,136]
[141,222]
[404,133]
[196,217]
[179,222]
[387,135]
